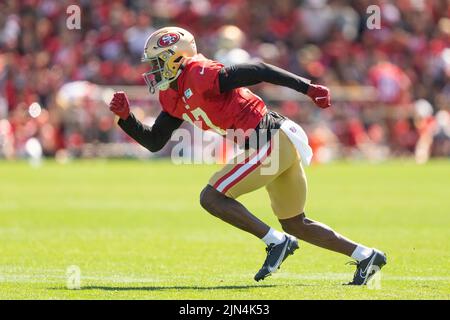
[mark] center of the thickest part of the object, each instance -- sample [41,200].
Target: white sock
[273,236]
[361,252]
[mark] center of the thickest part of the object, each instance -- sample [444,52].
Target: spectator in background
[136,35]
[407,60]
[392,84]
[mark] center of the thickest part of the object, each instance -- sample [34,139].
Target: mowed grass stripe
[136,230]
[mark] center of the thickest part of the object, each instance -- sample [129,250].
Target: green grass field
[137,231]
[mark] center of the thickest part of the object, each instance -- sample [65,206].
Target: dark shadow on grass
[162,288]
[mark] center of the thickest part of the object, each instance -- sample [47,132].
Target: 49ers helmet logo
[168,39]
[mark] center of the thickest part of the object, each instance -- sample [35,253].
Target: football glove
[120,105]
[320,95]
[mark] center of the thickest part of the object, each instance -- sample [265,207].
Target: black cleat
[367,268]
[276,254]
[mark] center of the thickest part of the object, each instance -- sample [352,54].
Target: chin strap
[164,85]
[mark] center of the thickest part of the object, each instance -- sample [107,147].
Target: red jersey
[198,99]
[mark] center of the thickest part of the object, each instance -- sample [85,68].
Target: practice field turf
[136,231]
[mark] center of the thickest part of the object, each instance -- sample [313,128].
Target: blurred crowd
[55,83]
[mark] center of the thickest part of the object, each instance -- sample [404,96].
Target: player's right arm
[153,138]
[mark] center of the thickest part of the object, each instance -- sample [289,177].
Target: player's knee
[204,201]
[294,225]
[208,198]
[288,227]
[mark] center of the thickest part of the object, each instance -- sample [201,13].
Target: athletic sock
[273,236]
[361,252]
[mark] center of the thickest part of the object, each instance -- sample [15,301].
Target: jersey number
[200,115]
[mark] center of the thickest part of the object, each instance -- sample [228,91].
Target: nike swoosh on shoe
[364,274]
[280,259]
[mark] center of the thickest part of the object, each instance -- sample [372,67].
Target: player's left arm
[247,74]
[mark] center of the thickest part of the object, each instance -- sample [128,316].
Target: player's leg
[368,260]
[288,196]
[218,198]
[318,234]
[232,212]
[238,177]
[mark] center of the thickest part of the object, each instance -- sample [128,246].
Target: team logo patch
[168,39]
[188,93]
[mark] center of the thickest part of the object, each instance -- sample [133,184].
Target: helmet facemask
[160,74]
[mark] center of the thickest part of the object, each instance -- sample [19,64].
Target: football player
[195,89]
